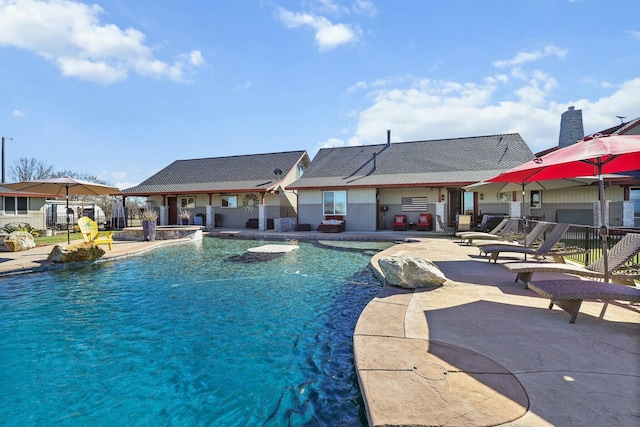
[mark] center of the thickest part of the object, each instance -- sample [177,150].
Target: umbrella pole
[524,220]
[603,227]
[67,211]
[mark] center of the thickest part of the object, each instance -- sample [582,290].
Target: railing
[584,237]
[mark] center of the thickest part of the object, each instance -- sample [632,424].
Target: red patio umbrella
[595,155]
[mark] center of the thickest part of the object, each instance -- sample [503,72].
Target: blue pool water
[188,335]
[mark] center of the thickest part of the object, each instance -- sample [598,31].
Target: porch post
[439,211]
[164,215]
[627,213]
[515,209]
[262,217]
[597,214]
[210,214]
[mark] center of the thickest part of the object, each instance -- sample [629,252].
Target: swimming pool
[188,335]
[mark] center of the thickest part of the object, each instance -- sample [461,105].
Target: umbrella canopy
[64,186]
[595,156]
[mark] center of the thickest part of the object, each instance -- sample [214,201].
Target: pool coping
[409,343]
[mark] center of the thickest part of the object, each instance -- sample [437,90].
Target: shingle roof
[458,161]
[255,172]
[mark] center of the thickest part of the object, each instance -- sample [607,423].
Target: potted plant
[185,216]
[149,218]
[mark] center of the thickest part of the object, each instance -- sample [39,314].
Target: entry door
[455,204]
[173,210]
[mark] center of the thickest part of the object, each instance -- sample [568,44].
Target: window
[16,205]
[187,202]
[334,202]
[468,203]
[536,199]
[229,201]
[635,198]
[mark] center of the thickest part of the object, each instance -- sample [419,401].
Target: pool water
[188,335]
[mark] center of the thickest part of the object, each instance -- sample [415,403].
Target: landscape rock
[77,253]
[19,241]
[411,272]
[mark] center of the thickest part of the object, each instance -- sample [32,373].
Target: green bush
[25,227]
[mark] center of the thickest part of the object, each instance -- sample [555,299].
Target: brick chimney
[571,129]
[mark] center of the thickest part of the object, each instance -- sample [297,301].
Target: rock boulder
[19,241]
[77,253]
[411,272]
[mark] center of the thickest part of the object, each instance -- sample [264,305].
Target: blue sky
[121,88]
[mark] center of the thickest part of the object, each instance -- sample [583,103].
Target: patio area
[480,350]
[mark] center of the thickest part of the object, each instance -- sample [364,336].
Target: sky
[119,89]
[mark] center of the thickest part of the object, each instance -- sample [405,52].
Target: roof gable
[248,172]
[434,161]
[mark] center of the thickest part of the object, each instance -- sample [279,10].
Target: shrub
[22,227]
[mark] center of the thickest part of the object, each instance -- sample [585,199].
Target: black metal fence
[584,237]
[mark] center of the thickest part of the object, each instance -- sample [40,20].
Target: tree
[26,169]
[76,175]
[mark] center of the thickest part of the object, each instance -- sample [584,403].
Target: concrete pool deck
[480,350]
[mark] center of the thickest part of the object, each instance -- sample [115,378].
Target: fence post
[587,244]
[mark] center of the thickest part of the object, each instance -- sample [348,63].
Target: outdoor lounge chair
[617,257]
[463,222]
[399,222]
[493,231]
[444,229]
[498,233]
[545,249]
[569,294]
[529,240]
[91,234]
[424,222]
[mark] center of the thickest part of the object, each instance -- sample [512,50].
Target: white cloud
[429,109]
[522,58]
[365,8]
[244,85]
[18,113]
[635,34]
[329,7]
[70,34]
[327,34]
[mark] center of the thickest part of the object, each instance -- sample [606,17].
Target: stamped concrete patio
[478,351]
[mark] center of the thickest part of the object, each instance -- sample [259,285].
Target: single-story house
[231,192]
[368,185]
[22,207]
[579,204]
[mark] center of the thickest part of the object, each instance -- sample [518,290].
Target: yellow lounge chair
[90,233]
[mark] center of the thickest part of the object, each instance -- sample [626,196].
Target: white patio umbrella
[64,186]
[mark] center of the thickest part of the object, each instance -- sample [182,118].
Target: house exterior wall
[361,209]
[231,217]
[392,199]
[35,216]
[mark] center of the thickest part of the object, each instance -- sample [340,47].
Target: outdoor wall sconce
[481,196]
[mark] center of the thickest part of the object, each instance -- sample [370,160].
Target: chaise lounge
[617,257]
[569,294]
[544,250]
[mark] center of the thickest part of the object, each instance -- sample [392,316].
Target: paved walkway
[480,350]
